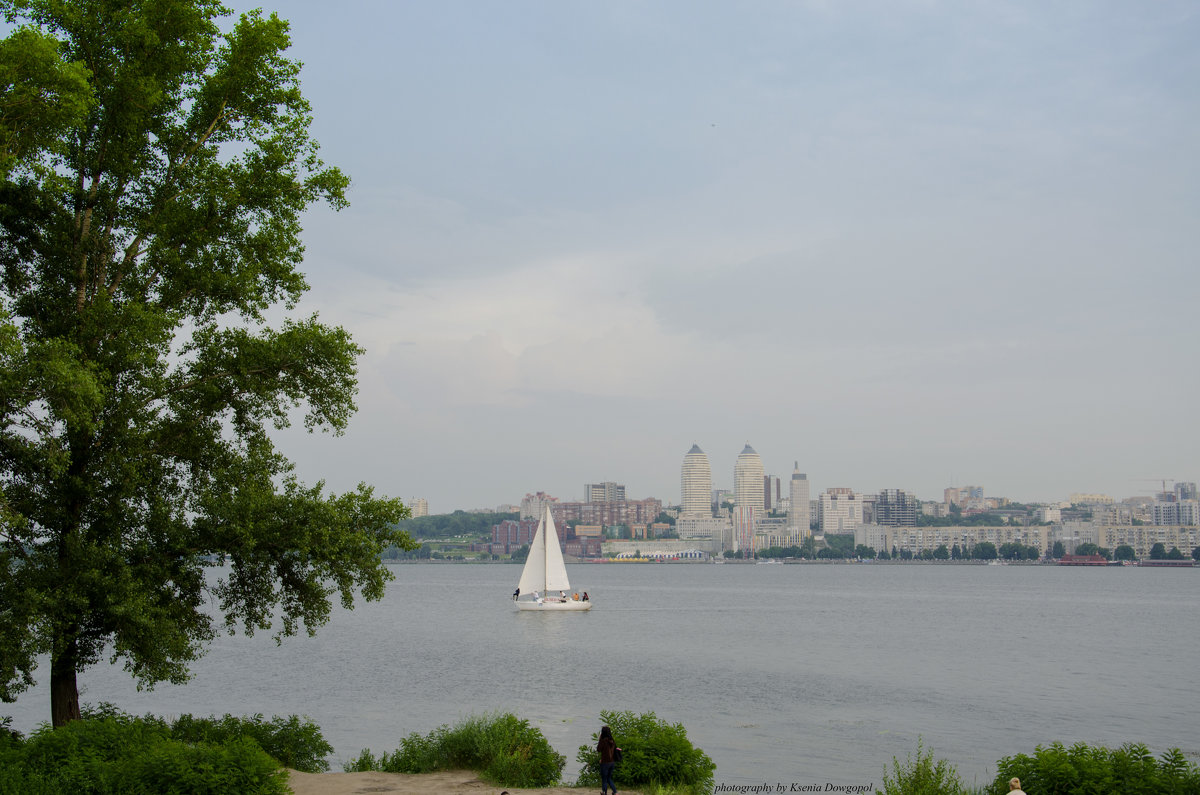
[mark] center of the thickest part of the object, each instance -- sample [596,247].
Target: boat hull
[553,606]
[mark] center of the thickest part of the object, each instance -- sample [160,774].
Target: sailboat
[545,575]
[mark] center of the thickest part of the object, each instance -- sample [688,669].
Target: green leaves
[657,754]
[922,775]
[504,749]
[41,96]
[153,173]
[1129,769]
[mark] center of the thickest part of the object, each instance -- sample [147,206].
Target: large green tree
[147,225]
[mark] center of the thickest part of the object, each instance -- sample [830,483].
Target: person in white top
[1014,786]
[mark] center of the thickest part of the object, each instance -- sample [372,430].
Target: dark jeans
[606,782]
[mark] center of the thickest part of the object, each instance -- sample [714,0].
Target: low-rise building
[915,539]
[1141,537]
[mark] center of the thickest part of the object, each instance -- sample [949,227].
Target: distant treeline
[451,525]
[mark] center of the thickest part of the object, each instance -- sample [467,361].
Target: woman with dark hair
[608,749]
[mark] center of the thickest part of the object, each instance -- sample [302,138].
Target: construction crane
[1163,481]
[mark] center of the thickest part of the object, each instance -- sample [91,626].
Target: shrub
[239,765]
[1130,770]
[293,742]
[501,748]
[85,755]
[16,779]
[9,737]
[657,755]
[118,753]
[923,776]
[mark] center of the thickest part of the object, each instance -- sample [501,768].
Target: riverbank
[456,782]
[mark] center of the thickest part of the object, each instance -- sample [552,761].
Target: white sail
[544,568]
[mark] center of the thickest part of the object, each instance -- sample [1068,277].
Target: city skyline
[695,473]
[906,244]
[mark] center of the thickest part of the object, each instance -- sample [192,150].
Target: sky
[902,244]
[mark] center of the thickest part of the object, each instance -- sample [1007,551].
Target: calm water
[806,674]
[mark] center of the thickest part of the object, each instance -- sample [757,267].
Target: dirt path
[453,781]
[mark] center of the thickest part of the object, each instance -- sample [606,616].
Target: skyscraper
[748,481]
[799,512]
[696,484]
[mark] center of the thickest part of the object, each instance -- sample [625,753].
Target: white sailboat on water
[544,578]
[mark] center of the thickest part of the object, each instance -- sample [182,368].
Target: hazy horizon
[906,244]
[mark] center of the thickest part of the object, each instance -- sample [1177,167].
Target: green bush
[9,738]
[501,748]
[656,755]
[1130,770]
[16,779]
[171,766]
[85,755]
[922,776]
[293,742]
[118,753]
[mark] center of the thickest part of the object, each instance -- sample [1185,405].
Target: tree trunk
[64,689]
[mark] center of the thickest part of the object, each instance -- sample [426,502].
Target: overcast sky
[906,244]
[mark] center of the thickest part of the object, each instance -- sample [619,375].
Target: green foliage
[237,766]
[501,748]
[155,164]
[41,95]
[841,543]
[1016,551]
[294,743]
[9,737]
[459,523]
[121,754]
[984,550]
[16,779]
[656,755]
[1130,770]
[921,775]
[956,519]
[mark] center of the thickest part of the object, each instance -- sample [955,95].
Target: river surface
[806,674]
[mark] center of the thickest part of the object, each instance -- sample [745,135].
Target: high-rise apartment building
[841,510]
[799,510]
[1186,490]
[771,493]
[695,484]
[603,492]
[748,481]
[896,508]
[532,504]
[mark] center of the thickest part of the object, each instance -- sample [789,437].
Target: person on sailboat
[585,596]
[516,594]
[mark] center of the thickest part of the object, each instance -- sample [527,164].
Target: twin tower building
[751,488]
